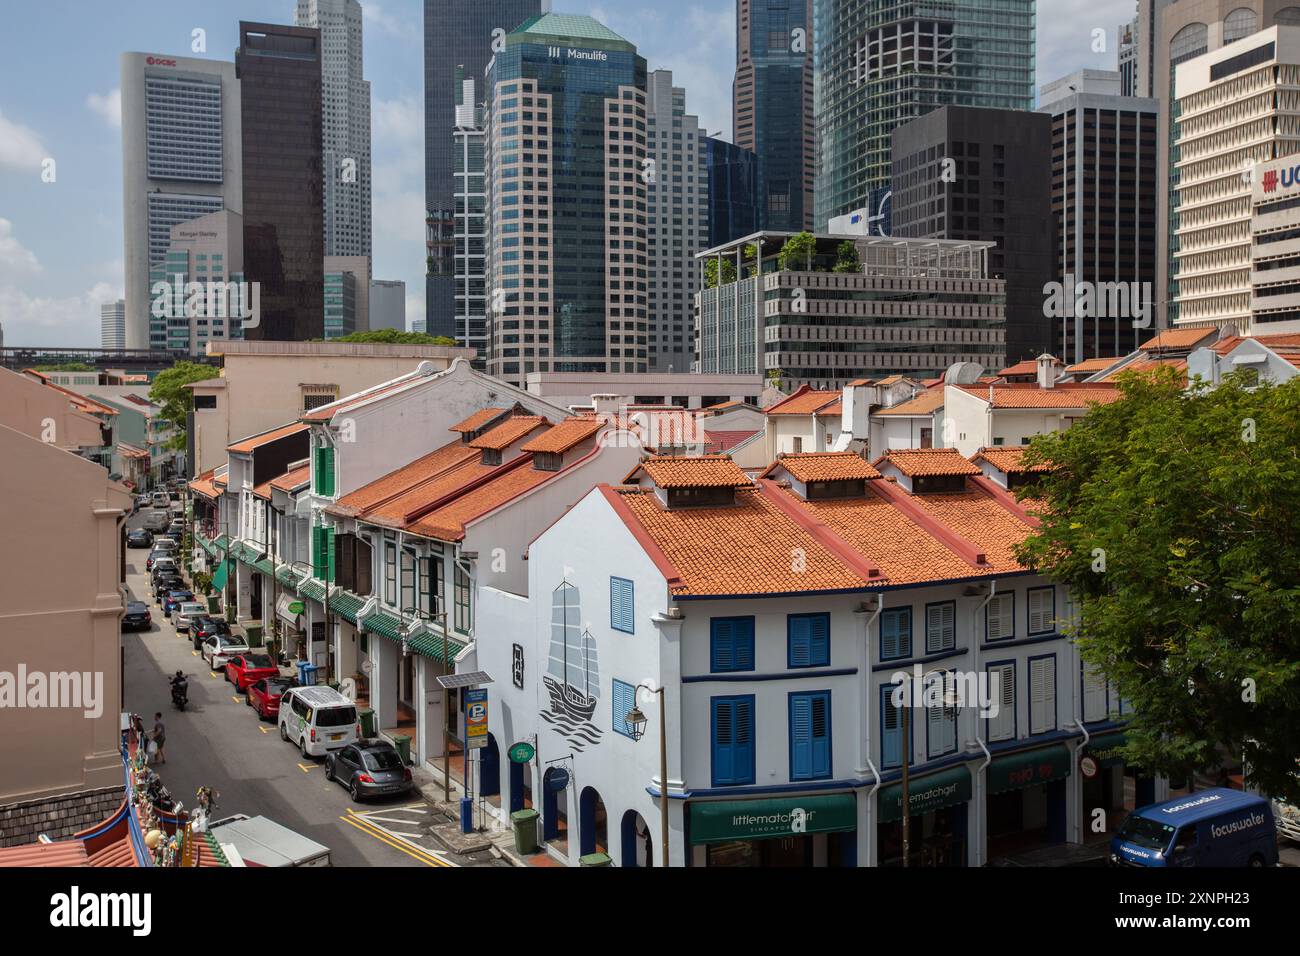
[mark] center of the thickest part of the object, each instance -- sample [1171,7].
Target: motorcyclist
[180,685]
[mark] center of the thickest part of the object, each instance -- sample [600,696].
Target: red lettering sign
[159,61]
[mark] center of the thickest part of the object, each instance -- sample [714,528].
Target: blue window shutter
[891,734]
[624,699]
[745,644]
[801,744]
[745,739]
[800,637]
[723,741]
[620,604]
[821,735]
[731,644]
[819,639]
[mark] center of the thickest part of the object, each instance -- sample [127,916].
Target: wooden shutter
[345,571]
[940,634]
[800,638]
[821,735]
[624,699]
[620,604]
[895,633]
[1040,611]
[801,759]
[1002,725]
[1042,695]
[1094,694]
[1001,617]
[329,554]
[365,568]
[733,740]
[891,732]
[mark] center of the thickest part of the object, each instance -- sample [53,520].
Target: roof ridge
[821,532]
[965,549]
[672,576]
[1004,499]
[415,514]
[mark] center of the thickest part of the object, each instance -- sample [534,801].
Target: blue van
[1218,827]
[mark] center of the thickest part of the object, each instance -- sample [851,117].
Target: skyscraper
[279,71]
[112,325]
[880,64]
[772,103]
[345,124]
[677,195]
[471,228]
[566,197]
[181,159]
[732,211]
[464,36]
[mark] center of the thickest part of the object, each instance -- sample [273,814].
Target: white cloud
[108,106]
[398,122]
[377,16]
[20,148]
[1065,42]
[14,256]
[39,320]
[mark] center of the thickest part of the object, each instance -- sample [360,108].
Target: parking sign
[476,718]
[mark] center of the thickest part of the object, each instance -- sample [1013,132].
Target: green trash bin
[367,722]
[403,745]
[595,859]
[525,825]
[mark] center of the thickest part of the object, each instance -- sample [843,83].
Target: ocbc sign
[159,61]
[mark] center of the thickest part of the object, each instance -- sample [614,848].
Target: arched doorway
[636,842]
[593,825]
[521,786]
[489,769]
[555,808]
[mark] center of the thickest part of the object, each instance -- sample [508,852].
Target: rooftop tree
[168,391]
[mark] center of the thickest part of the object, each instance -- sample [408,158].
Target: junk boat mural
[573,673]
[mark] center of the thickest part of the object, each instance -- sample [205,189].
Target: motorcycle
[180,693]
[159,795]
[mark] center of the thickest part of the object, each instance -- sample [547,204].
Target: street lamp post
[636,722]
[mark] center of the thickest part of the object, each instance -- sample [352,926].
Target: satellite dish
[963,373]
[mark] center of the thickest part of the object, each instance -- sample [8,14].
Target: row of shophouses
[466,527]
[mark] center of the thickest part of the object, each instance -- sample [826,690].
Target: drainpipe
[981,808]
[1078,719]
[865,695]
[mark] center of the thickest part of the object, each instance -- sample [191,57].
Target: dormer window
[491,456]
[842,488]
[707,496]
[938,483]
[547,461]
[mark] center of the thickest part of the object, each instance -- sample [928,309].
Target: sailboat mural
[573,672]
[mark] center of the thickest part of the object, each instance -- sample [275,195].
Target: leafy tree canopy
[846,257]
[394,337]
[1174,517]
[168,390]
[798,250]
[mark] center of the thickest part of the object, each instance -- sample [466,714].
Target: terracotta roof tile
[1007,458]
[59,853]
[804,401]
[508,432]
[926,403]
[1093,365]
[480,418]
[118,854]
[1144,366]
[448,522]
[246,445]
[1178,339]
[833,409]
[707,471]
[561,437]
[294,478]
[824,466]
[1070,395]
[978,518]
[418,483]
[205,485]
[723,440]
[926,462]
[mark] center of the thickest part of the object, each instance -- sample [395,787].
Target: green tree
[798,251]
[66,367]
[394,337]
[711,272]
[774,377]
[749,259]
[1173,515]
[168,391]
[846,257]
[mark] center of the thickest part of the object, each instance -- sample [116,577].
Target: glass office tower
[880,63]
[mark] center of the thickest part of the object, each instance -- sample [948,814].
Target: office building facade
[984,175]
[209,252]
[388,305]
[879,65]
[345,124]
[1104,188]
[279,72]
[112,324]
[460,39]
[566,198]
[469,137]
[914,307]
[677,197]
[181,159]
[732,176]
[772,102]
[360,269]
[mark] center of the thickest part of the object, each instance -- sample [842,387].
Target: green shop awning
[384,625]
[222,573]
[724,820]
[222,543]
[932,792]
[346,605]
[428,644]
[313,589]
[1104,748]
[265,566]
[287,576]
[1029,767]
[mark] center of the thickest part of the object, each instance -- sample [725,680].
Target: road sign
[1089,767]
[476,718]
[557,779]
[521,752]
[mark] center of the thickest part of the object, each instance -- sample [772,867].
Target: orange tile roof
[721,440]
[561,437]
[1093,365]
[58,853]
[118,854]
[508,432]
[680,471]
[1070,395]
[246,445]
[479,419]
[448,522]
[1144,366]
[860,382]
[979,518]
[262,491]
[835,408]
[804,401]
[415,484]
[294,478]
[823,466]
[891,380]
[926,462]
[206,485]
[1027,367]
[926,403]
[1008,458]
[1178,338]
[740,549]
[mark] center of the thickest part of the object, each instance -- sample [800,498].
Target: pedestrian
[159,737]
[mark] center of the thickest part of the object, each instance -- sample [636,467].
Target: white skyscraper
[181,159]
[112,325]
[345,105]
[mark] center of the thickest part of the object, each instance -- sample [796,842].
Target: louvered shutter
[744,740]
[1040,611]
[896,634]
[891,736]
[1001,617]
[801,744]
[743,643]
[819,640]
[624,699]
[1042,695]
[939,628]
[620,604]
[821,735]
[724,741]
[1002,683]
[1094,694]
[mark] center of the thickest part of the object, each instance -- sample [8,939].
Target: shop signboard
[931,792]
[1029,768]
[722,821]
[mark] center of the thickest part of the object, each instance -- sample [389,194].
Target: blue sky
[61,242]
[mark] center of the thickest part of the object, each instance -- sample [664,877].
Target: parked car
[139,538]
[264,695]
[160,499]
[175,598]
[137,617]
[155,555]
[166,583]
[219,648]
[157,521]
[165,542]
[202,628]
[318,720]
[186,613]
[369,768]
[243,669]
[142,501]
[177,528]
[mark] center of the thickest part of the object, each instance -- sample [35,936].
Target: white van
[318,720]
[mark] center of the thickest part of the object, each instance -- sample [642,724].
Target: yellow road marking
[413,852]
[237,700]
[305,769]
[263,730]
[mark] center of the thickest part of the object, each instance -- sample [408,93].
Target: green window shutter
[328,456]
[318,475]
[329,552]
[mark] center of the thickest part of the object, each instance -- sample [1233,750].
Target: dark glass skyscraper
[731,191]
[458,35]
[772,101]
[567,175]
[279,73]
[880,63]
